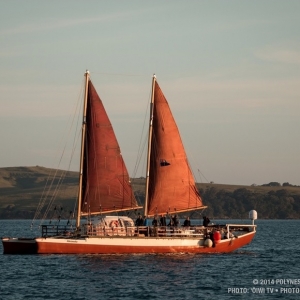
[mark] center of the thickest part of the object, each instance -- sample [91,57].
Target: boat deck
[226,231]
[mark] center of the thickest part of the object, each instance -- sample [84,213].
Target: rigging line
[64,173]
[41,203]
[48,191]
[51,199]
[43,200]
[194,161]
[202,175]
[52,183]
[76,141]
[193,177]
[43,197]
[140,157]
[140,152]
[67,134]
[59,184]
[67,138]
[57,188]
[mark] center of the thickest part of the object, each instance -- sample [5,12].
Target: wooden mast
[149,147]
[87,75]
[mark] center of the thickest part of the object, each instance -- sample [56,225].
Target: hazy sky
[229,69]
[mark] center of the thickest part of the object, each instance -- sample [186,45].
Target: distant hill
[21,189]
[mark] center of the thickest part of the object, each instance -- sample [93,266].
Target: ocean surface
[268,268]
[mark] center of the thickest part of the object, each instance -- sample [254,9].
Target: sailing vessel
[105,188]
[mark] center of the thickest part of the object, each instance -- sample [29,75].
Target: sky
[230,71]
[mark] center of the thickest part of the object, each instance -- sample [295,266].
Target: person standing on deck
[206,221]
[176,221]
[163,221]
[154,224]
[187,222]
[139,221]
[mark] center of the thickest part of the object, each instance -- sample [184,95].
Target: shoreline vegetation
[22,188]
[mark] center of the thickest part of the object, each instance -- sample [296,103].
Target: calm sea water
[262,270]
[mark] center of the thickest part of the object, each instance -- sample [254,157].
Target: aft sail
[170,185]
[105,181]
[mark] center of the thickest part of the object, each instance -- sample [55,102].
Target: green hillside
[22,188]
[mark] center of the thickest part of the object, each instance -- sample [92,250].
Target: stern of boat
[19,245]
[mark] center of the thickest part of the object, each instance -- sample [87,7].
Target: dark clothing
[206,221]
[154,223]
[171,223]
[139,221]
[175,221]
[187,223]
[163,221]
[211,235]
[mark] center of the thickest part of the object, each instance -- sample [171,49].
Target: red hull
[19,246]
[224,246]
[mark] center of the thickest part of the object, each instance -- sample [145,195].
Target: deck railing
[57,230]
[145,231]
[165,231]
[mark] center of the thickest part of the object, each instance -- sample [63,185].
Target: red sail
[106,183]
[171,183]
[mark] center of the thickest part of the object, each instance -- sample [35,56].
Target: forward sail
[170,186]
[105,181]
